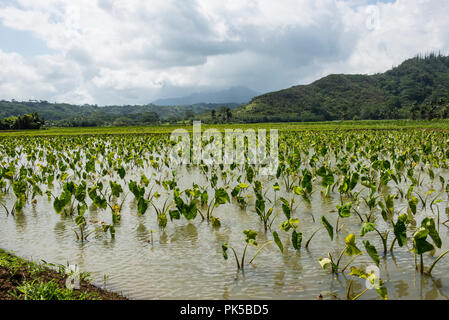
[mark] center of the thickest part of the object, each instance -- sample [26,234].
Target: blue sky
[133,52]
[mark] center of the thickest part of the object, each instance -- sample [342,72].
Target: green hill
[418,88]
[63,114]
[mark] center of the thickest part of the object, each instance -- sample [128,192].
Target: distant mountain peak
[235,94]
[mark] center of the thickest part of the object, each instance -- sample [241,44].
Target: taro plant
[221,197]
[369,227]
[70,199]
[376,283]
[250,239]
[296,237]
[421,245]
[350,249]
[236,193]
[327,226]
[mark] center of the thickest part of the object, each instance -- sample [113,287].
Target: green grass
[285,126]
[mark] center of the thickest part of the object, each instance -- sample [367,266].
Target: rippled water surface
[185,260]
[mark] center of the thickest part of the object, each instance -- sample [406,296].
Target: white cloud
[130,51]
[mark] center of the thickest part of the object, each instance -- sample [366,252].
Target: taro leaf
[204,198]
[278,241]
[412,204]
[250,236]
[243,185]
[70,187]
[82,208]
[142,205]
[367,227]
[390,203]
[345,210]
[276,187]
[382,290]
[296,239]
[80,192]
[136,190]
[249,174]
[372,252]
[162,220]
[116,189]
[298,190]
[144,180]
[221,197]
[321,171]
[121,172]
[289,224]
[189,211]
[324,262]
[400,230]
[174,214]
[63,200]
[306,182]
[224,249]
[215,222]
[260,206]
[429,224]
[351,247]
[80,220]
[90,165]
[285,208]
[421,245]
[328,227]
[100,202]
[19,187]
[378,283]
[328,180]
[358,273]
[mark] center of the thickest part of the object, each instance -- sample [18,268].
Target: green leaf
[372,252]
[345,210]
[224,250]
[174,214]
[367,227]
[429,224]
[296,239]
[142,205]
[420,244]
[221,197]
[121,172]
[278,241]
[116,189]
[351,247]
[215,222]
[324,262]
[400,230]
[190,211]
[250,236]
[328,226]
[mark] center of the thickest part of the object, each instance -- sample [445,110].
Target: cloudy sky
[134,51]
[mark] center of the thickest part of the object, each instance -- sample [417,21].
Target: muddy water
[185,260]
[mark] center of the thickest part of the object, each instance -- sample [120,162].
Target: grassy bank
[285,126]
[21,279]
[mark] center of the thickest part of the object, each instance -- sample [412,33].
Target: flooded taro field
[343,209]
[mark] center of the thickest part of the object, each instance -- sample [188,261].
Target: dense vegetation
[26,280]
[417,89]
[68,115]
[27,121]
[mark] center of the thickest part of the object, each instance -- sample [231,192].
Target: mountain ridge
[415,83]
[235,94]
